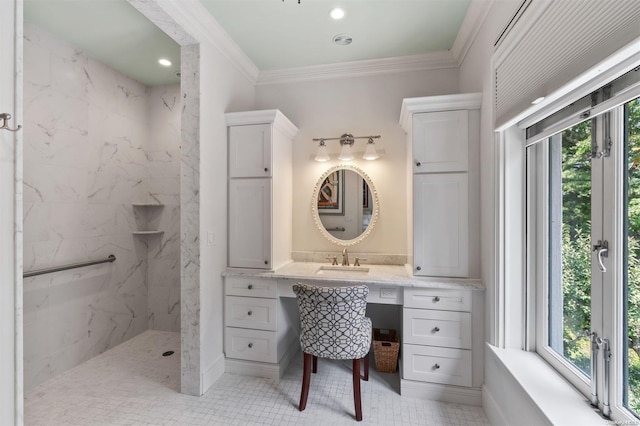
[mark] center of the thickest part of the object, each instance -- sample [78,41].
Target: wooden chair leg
[356,389]
[306,380]
[315,365]
[366,368]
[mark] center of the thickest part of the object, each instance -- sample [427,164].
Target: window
[583,180]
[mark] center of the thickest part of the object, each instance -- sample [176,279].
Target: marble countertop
[400,275]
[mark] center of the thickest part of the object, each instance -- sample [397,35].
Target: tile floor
[132,384]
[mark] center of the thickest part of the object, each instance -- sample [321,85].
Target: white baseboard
[212,374]
[438,392]
[252,368]
[491,408]
[263,369]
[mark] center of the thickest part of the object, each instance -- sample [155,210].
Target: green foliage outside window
[576,247]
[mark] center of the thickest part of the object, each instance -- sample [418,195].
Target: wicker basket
[386,346]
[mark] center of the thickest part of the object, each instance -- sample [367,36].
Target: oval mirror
[345,205]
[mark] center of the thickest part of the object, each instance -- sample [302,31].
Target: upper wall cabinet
[441,130]
[250,150]
[260,189]
[440,141]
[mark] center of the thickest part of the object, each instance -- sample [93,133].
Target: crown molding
[422,62]
[457,101]
[201,26]
[267,116]
[473,20]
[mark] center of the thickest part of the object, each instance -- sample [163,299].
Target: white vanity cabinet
[442,344]
[441,132]
[260,189]
[259,336]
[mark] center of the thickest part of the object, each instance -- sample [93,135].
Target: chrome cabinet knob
[436,367]
[250,345]
[436,329]
[418,268]
[249,313]
[418,164]
[250,286]
[436,299]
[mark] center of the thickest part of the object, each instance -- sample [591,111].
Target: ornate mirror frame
[316,214]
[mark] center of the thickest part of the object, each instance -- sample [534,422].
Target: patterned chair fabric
[333,321]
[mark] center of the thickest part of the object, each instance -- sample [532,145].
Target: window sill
[542,386]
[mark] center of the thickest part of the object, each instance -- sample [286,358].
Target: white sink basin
[337,270]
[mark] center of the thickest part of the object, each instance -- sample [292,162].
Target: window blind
[567,38]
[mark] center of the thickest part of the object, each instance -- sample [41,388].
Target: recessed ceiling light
[538,100]
[336,13]
[164,62]
[343,39]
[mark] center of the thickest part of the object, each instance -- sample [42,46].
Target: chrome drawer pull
[436,367]
[436,299]
[250,345]
[436,329]
[249,313]
[250,286]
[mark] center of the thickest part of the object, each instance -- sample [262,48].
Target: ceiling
[283,34]
[274,34]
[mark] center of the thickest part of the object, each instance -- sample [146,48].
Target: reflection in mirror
[345,205]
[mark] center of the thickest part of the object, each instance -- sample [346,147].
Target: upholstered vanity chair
[334,326]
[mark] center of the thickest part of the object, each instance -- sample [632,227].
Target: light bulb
[336,13]
[322,154]
[370,152]
[345,153]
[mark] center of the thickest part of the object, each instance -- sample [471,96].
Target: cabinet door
[440,141]
[441,225]
[250,223]
[250,150]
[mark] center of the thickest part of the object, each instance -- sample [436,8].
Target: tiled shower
[95,143]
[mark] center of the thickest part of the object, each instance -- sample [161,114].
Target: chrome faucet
[345,257]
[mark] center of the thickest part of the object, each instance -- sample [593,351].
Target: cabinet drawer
[437,328]
[251,345]
[250,312]
[436,365]
[440,299]
[252,287]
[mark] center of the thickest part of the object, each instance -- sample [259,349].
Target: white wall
[11,389]
[360,106]
[222,89]
[476,76]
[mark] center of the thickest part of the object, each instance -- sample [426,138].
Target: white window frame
[515,315]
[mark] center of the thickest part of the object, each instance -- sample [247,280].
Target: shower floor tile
[133,384]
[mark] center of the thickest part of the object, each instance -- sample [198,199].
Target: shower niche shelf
[147,206]
[148,232]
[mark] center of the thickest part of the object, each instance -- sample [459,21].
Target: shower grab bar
[35,272]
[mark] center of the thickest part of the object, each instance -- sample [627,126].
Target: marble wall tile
[86,135]
[96,141]
[163,271]
[190,367]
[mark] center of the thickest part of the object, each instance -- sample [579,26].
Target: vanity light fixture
[322,155]
[164,62]
[346,141]
[370,152]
